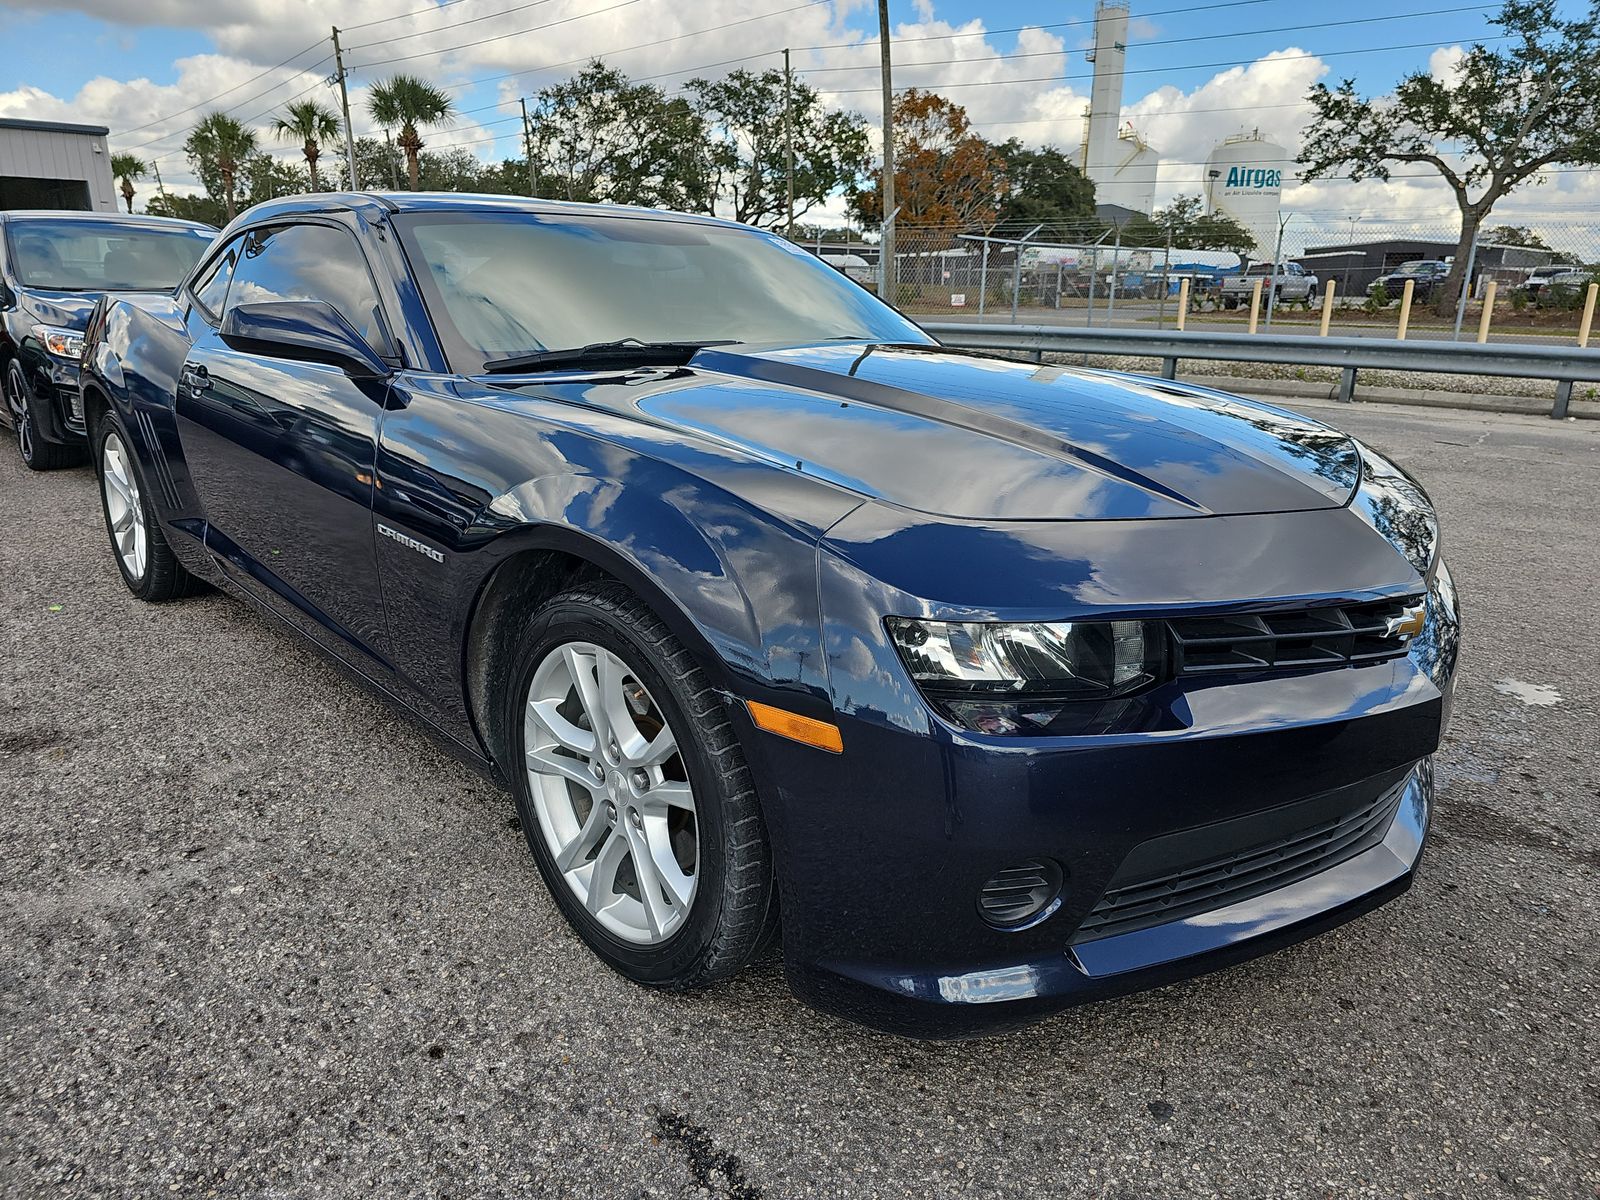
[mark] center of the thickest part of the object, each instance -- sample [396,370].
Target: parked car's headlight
[1089,659]
[63,343]
[1395,505]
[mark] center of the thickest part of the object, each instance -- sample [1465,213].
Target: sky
[1197,72]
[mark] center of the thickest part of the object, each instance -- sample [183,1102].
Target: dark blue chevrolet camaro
[1007,686]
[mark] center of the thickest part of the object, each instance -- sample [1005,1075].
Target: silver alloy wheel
[17,399]
[123,507]
[611,793]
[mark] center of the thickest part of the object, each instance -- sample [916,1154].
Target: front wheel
[37,453]
[634,793]
[145,561]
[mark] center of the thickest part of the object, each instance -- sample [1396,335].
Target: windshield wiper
[628,350]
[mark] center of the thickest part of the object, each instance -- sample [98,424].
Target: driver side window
[210,290]
[310,262]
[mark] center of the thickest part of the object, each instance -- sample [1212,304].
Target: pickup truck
[1293,283]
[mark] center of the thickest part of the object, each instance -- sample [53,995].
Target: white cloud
[1033,88]
[1442,63]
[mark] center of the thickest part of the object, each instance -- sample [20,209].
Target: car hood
[66,310]
[963,436]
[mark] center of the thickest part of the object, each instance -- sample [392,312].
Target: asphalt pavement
[259,939]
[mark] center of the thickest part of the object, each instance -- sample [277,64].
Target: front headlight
[63,343]
[965,668]
[1395,505]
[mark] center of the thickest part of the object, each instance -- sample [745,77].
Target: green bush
[1377,298]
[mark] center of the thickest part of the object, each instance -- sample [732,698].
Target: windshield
[1416,268]
[505,284]
[1259,269]
[102,256]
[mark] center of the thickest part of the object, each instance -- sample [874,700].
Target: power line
[234,107]
[1206,37]
[640,46]
[415,12]
[400,37]
[229,92]
[383,62]
[1232,62]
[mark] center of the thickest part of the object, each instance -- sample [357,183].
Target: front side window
[504,284]
[101,256]
[211,289]
[309,262]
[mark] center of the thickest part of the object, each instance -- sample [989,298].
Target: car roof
[376,203]
[68,214]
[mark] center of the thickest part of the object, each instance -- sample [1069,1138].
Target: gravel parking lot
[258,938]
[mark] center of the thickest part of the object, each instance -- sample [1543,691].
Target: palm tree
[128,167]
[311,123]
[221,144]
[407,101]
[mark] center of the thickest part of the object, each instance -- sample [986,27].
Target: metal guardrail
[1565,365]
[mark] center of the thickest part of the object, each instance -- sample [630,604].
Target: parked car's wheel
[37,454]
[634,793]
[144,558]
[1311,296]
[1230,304]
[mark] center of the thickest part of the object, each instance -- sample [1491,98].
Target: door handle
[195,380]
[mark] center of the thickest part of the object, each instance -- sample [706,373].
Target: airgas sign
[1254,178]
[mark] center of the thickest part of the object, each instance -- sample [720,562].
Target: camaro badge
[419,547]
[1408,624]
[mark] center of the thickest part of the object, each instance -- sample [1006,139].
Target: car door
[282,451]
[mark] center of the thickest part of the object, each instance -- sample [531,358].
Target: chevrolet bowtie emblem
[1408,624]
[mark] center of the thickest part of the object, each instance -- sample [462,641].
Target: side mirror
[303,330]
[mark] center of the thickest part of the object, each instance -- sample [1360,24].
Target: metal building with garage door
[49,164]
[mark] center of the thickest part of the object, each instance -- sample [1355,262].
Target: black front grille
[1264,868]
[1296,640]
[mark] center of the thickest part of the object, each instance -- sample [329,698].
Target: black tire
[163,577]
[1311,297]
[21,407]
[734,909]
[1230,304]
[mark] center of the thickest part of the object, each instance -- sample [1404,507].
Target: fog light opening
[1023,895]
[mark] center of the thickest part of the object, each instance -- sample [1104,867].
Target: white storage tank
[1245,175]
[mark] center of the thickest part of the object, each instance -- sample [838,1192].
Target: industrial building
[1355,265]
[48,164]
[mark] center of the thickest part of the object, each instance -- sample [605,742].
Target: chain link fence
[1089,274]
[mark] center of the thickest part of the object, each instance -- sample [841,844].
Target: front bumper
[948,992]
[57,396]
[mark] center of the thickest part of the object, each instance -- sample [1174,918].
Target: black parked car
[1427,276]
[53,267]
[1011,687]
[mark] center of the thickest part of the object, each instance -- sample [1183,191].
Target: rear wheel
[634,793]
[22,406]
[144,559]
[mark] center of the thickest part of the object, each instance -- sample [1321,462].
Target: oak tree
[1510,113]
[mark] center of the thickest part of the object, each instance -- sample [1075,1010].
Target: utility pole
[788,139]
[344,104]
[527,146]
[886,185]
[156,167]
